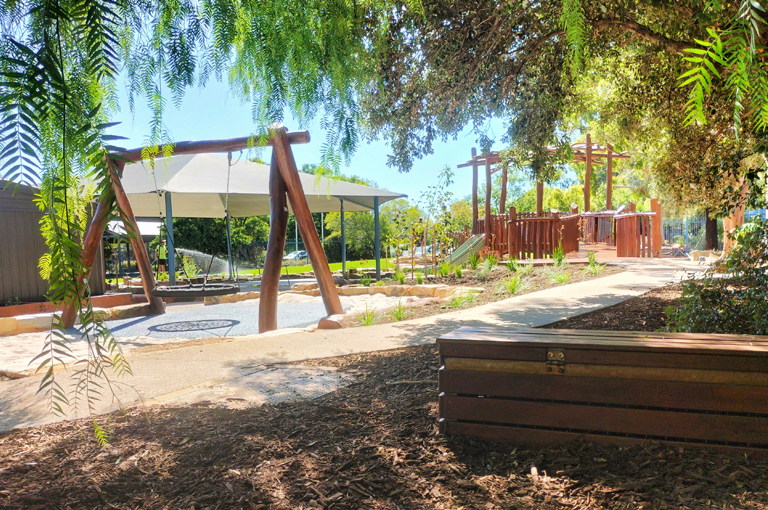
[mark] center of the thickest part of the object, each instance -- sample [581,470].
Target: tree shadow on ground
[370,445]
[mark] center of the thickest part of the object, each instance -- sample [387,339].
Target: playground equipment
[471,246]
[538,234]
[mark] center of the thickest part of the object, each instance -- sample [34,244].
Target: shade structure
[198,187]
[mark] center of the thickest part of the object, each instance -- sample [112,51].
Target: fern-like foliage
[734,55]
[574,22]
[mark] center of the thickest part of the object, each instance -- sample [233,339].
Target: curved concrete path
[187,372]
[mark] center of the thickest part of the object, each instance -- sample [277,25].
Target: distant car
[295,257]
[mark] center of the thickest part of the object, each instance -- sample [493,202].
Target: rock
[231,298]
[330,322]
[305,286]
[353,291]
[378,289]
[33,322]
[443,291]
[129,311]
[8,325]
[464,291]
[396,290]
[340,281]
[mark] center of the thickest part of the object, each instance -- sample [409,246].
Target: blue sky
[214,112]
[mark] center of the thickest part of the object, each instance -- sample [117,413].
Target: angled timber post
[90,246]
[156,305]
[303,216]
[278,227]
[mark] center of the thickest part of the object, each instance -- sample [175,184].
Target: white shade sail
[198,187]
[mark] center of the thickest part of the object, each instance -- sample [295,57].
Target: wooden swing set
[284,186]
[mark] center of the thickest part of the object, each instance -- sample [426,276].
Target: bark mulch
[642,313]
[372,445]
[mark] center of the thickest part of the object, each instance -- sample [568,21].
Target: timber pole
[609,179]
[588,174]
[156,305]
[278,227]
[303,217]
[88,253]
[503,201]
[487,201]
[475,228]
[539,199]
[377,237]
[343,242]
[656,239]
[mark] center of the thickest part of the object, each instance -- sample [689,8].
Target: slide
[461,254]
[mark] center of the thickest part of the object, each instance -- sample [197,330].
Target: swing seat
[191,291]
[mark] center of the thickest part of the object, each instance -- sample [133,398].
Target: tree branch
[643,32]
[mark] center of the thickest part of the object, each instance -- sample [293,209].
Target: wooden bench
[543,387]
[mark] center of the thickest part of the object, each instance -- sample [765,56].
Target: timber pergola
[284,186]
[588,152]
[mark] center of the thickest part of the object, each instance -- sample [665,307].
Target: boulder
[353,291]
[330,322]
[304,286]
[396,290]
[340,281]
[129,311]
[8,326]
[231,298]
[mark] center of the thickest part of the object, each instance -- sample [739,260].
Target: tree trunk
[710,224]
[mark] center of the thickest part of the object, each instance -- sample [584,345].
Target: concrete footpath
[240,369]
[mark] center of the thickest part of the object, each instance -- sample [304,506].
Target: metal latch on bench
[555,361]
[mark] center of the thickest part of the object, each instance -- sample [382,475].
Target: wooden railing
[525,235]
[633,235]
[599,227]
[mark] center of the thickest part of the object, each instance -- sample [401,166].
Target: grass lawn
[385,264]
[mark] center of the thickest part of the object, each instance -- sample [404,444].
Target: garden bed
[494,289]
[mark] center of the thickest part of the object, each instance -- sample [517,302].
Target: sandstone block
[353,291]
[330,322]
[304,286]
[8,326]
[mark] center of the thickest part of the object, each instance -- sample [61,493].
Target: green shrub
[380,283]
[399,312]
[419,278]
[399,276]
[444,269]
[491,258]
[511,285]
[558,275]
[736,303]
[190,268]
[474,260]
[558,255]
[460,301]
[365,280]
[513,265]
[525,269]
[368,318]
[485,271]
[457,271]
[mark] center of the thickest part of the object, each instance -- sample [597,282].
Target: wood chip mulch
[642,313]
[372,445]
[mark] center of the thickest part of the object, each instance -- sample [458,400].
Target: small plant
[560,276]
[457,271]
[419,278]
[559,255]
[511,285]
[485,271]
[380,283]
[399,312]
[525,269]
[365,280]
[513,265]
[190,268]
[594,267]
[399,276]
[491,258]
[13,302]
[462,299]
[592,258]
[368,318]
[444,269]
[474,260]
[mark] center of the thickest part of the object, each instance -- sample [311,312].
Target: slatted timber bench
[544,386]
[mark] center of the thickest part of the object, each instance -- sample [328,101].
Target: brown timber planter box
[544,387]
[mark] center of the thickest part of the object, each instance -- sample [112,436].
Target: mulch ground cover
[642,313]
[493,288]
